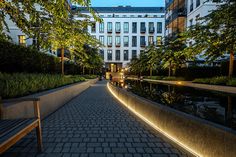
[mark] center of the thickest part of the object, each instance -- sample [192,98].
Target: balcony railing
[151,30]
[117,44]
[109,31]
[109,45]
[143,30]
[143,44]
[118,30]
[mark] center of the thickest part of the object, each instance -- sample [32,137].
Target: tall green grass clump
[21,84]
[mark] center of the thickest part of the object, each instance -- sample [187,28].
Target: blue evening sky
[134,3]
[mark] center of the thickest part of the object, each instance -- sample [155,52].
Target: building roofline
[123,9]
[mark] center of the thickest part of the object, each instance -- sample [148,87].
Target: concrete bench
[12,130]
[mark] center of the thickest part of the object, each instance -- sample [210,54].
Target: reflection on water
[212,106]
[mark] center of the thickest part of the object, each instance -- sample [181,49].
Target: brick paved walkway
[94,124]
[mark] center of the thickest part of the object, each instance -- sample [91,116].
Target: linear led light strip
[155,127]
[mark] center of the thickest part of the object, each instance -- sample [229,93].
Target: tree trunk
[231,64]
[62,61]
[150,71]
[93,71]
[83,70]
[169,70]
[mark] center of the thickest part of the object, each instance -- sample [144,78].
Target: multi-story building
[199,8]
[175,18]
[20,38]
[125,32]
[195,10]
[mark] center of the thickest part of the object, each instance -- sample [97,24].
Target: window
[159,40]
[198,3]
[143,27]
[134,27]
[22,39]
[159,27]
[102,54]
[151,27]
[101,27]
[126,55]
[118,27]
[117,55]
[109,27]
[109,41]
[191,6]
[109,55]
[190,22]
[134,41]
[101,39]
[117,40]
[126,41]
[142,41]
[126,27]
[93,28]
[150,40]
[134,54]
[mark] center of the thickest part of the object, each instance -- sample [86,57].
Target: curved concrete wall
[50,101]
[201,137]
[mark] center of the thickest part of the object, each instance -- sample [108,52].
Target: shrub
[172,78]
[202,80]
[21,84]
[219,80]
[90,76]
[154,77]
[231,82]
[16,58]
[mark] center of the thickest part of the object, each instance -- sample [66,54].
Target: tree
[215,34]
[154,58]
[53,24]
[175,54]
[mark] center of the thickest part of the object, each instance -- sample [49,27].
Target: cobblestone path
[94,124]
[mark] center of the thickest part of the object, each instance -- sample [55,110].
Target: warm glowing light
[155,126]
[179,83]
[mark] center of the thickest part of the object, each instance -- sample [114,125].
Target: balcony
[143,30]
[109,31]
[143,44]
[181,12]
[109,45]
[118,45]
[118,30]
[151,30]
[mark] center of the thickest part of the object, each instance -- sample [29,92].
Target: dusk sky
[135,3]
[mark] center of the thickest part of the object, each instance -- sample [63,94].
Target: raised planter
[200,137]
[50,101]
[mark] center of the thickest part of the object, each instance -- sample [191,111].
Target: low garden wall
[50,101]
[198,136]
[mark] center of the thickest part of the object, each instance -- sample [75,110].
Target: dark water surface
[213,106]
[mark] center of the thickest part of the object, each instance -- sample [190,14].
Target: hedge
[21,84]
[16,59]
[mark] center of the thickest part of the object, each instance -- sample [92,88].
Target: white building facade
[199,8]
[20,38]
[125,32]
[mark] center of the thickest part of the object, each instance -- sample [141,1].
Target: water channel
[213,106]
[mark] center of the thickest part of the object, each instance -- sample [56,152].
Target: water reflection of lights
[184,146]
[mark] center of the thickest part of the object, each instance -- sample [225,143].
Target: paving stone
[95,124]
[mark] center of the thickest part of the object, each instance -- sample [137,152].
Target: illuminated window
[22,39]
[159,40]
